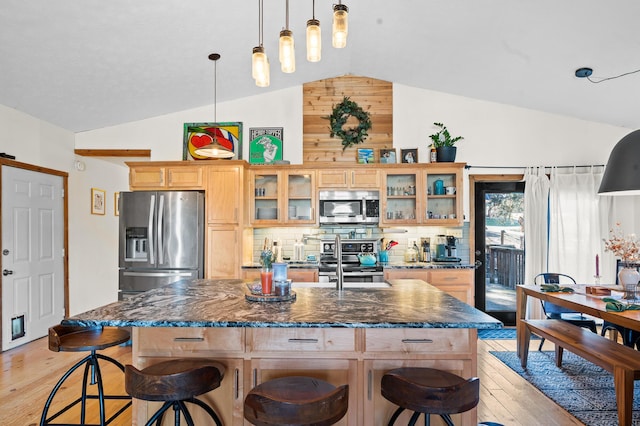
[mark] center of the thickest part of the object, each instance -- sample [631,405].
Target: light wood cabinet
[166,177]
[224,195]
[350,178]
[459,283]
[444,209]
[223,248]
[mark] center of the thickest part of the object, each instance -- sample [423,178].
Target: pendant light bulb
[314,37]
[287,52]
[260,66]
[340,26]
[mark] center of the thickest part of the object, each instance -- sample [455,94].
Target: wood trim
[113,152]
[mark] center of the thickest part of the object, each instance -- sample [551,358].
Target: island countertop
[406,303]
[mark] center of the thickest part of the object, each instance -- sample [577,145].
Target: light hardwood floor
[29,373]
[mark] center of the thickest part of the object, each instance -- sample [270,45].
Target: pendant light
[340,25]
[314,37]
[259,60]
[214,149]
[622,173]
[287,49]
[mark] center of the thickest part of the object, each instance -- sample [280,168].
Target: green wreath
[341,113]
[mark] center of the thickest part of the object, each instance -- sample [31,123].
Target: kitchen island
[351,336]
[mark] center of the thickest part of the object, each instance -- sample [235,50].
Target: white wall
[495,135]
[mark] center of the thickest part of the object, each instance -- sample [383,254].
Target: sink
[345,285]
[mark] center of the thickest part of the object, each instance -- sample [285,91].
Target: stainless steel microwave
[358,207]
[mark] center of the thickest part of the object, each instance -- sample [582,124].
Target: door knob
[7,272]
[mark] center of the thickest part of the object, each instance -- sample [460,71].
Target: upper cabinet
[349,178]
[282,196]
[443,194]
[158,176]
[224,195]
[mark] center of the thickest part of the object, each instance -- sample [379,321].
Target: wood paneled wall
[319,98]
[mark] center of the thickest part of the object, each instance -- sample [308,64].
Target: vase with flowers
[627,248]
[444,144]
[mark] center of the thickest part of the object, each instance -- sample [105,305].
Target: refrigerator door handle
[157,274]
[159,235]
[152,245]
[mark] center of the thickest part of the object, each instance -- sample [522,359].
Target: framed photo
[365,156]
[388,156]
[409,155]
[266,145]
[197,135]
[97,201]
[116,204]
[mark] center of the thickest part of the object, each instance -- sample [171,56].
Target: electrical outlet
[411,242]
[455,232]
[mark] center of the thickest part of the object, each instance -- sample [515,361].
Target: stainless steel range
[353,270]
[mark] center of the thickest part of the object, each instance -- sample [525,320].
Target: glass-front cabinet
[282,197]
[399,197]
[443,194]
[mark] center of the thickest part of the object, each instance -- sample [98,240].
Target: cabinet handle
[449,278]
[188,339]
[236,380]
[369,385]
[235,214]
[303,340]
[255,377]
[417,340]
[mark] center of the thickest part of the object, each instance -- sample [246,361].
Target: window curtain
[536,202]
[575,234]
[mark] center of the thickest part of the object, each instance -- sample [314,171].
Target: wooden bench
[622,361]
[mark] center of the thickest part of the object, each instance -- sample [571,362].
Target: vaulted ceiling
[89,64]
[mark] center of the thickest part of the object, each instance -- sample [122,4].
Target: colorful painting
[266,145]
[365,156]
[388,156]
[197,135]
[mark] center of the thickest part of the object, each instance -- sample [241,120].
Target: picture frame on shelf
[409,155]
[365,156]
[97,201]
[388,156]
[197,135]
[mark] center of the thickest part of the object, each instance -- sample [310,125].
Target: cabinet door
[223,195]
[443,195]
[413,274]
[185,177]
[267,194]
[303,275]
[457,282]
[300,199]
[365,178]
[222,252]
[400,202]
[151,177]
[332,179]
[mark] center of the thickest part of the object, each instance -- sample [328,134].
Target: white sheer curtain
[536,202]
[575,236]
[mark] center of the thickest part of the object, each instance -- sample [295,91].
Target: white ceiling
[87,64]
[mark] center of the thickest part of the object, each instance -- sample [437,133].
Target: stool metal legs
[180,407]
[93,376]
[414,418]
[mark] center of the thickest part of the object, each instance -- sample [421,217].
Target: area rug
[580,387]
[497,334]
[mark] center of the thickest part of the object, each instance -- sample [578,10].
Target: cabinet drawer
[163,340]
[450,276]
[303,339]
[422,340]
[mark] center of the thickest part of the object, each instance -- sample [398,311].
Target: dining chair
[552,311]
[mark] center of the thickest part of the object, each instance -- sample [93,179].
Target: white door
[32,255]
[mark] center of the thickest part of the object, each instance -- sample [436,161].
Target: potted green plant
[444,144]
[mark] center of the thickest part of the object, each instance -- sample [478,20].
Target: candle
[597,265]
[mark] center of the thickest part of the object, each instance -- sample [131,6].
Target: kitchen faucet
[337,252]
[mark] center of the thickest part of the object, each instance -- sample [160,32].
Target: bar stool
[296,401]
[80,339]
[429,391]
[175,382]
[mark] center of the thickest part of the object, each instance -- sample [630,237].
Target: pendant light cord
[260,19]
[287,15]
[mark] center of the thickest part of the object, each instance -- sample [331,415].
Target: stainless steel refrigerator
[161,239]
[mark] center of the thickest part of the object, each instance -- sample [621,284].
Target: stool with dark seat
[82,339]
[175,382]
[429,391]
[296,400]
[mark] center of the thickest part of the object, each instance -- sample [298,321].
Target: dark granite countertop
[427,265]
[221,303]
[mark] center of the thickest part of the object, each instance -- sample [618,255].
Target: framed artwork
[266,145]
[97,201]
[116,204]
[388,156]
[365,156]
[197,135]
[409,155]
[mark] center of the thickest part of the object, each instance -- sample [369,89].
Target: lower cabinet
[223,252]
[358,357]
[457,282]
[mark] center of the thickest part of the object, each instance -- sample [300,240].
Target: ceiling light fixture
[340,25]
[214,149]
[585,72]
[314,37]
[622,173]
[286,47]
[259,60]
